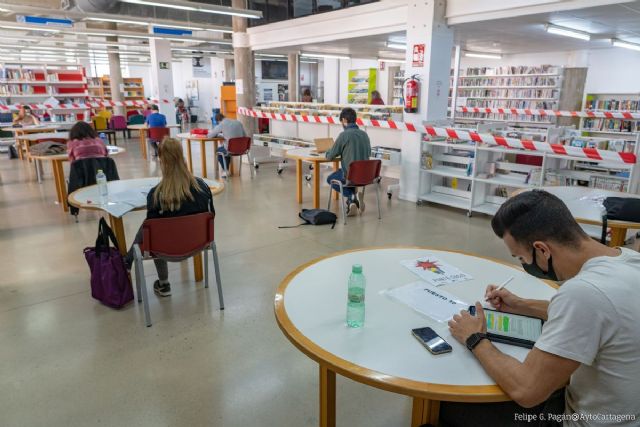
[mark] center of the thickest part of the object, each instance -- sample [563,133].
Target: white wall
[208,88]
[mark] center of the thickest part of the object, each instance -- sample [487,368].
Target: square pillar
[162,77]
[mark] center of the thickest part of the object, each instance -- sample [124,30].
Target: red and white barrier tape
[486,138]
[626,115]
[86,105]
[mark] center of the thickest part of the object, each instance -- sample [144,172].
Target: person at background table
[590,341]
[84,142]
[26,117]
[306,96]
[155,120]
[376,98]
[351,145]
[229,128]
[178,193]
[147,111]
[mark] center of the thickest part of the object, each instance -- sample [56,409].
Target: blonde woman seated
[178,194]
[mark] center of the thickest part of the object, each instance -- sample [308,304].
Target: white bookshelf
[625,129]
[478,177]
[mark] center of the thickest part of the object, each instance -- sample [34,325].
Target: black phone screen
[431,340]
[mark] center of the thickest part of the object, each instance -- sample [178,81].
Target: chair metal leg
[330,194]
[344,213]
[378,199]
[206,268]
[143,286]
[216,264]
[252,170]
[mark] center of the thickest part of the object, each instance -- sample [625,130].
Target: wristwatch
[474,340]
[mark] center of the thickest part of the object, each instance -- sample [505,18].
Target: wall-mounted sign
[163,65]
[201,67]
[172,31]
[418,55]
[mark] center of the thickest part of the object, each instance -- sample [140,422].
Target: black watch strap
[474,340]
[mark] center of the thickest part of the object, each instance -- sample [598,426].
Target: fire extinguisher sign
[418,55]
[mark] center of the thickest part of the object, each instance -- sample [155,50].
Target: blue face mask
[535,270]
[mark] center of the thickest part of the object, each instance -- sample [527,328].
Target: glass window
[302,8]
[328,5]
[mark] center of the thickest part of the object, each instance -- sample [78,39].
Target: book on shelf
[508,93]
[613,104]
[499,71]
[613,125]
[539,81]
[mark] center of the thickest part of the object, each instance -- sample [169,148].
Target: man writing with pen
[590,340]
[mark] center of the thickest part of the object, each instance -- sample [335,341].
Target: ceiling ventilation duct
[92,6]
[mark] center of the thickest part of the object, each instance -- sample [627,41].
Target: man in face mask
[351,145]
[590,340]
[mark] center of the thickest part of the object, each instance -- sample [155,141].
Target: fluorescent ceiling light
[483,55]
[395,61]
[626,45]
[119,21]
[199,7]
[18,27]
[308,62]
[568,32]
[196,50]
[397,46]
[270,55]
[322,55]
[200,41]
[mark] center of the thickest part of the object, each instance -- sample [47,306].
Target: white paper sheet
[125,201]
[428,300]
[435,271]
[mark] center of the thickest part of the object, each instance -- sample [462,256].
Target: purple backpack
[110,281]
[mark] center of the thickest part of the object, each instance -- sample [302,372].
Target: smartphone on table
[431,340]
[509,328]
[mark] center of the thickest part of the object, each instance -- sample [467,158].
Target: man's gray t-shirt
[229,128]
[594,319]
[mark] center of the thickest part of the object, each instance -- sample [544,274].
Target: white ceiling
[524,34]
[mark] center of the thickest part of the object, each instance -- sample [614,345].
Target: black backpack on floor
[316,217]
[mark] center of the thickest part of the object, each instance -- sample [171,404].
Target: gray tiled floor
[65,360]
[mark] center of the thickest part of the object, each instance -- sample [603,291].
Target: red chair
[361,173]
[176,239]
[156,135]
[119,123]
[237,147]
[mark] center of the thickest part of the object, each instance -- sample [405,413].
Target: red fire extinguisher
[411,93]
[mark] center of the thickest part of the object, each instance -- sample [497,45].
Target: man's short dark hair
[537,215]
[154,107]
[219,117]
[349,114]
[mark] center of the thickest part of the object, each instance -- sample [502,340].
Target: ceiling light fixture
[195,49]
[118,21]
[568,32]
[322,55]
[271,55]
[199,7]
[28,28]
[483,55]
[626,45]
[394,61]
[397,46]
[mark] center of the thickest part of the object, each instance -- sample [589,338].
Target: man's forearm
[533,307]
[505,370]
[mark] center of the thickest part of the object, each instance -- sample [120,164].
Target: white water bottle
[103,190]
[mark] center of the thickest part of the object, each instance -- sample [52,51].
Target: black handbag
[316,217]
[620,209]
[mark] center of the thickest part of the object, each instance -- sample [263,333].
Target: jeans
[161,263]
[154,147]
[453,414]
[348,192]
[227,159]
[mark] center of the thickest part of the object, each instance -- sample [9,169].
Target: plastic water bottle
[103,190]
[355,298]
[103,137]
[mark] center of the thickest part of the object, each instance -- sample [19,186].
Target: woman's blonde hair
[177,182]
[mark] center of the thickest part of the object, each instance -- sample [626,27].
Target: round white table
[88,198]
[58,171]
[203,153]
[586,207]
[310,306]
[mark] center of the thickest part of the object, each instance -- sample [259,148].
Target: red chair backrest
[363,172]
[132,113]
[118,123]
[179,236]
[239,146]
[158,134]
[59,140]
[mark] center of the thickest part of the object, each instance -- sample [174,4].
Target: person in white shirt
[590,340]
[229,128]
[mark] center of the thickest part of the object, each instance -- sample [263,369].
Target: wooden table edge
[440,392]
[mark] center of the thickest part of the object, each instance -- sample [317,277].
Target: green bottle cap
[357,268]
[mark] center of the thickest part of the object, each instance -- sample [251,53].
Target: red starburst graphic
[430,265]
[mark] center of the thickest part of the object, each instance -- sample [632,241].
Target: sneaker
[360,200]
[162,290]
[352,208]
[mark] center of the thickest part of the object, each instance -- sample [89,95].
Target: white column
[426,25]
[294,77]
[162,78]
[331,80]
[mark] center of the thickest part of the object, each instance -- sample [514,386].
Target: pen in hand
[505,283]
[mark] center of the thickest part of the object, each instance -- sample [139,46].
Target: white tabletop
[584,202]
[112,150]
[188,135]
[308,153]
[125,194]
[42,125]
[36,136]
[315,302]
[144,126]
